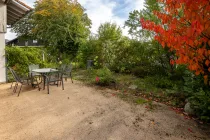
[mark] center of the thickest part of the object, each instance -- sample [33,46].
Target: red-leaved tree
[185,29]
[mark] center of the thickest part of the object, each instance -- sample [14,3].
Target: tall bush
[19,58]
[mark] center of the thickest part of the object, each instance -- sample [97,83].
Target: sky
[100,11]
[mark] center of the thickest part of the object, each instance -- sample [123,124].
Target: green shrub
[178,73]
[164,83]
[19,58]
[200,102]
[193,83]
[140,71]
[104,77]
[160,82]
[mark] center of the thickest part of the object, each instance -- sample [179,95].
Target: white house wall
[2,58]
[3,17]
[3,28]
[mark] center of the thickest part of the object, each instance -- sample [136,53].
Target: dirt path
[83,113]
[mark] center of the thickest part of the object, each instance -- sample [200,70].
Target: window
[35,41]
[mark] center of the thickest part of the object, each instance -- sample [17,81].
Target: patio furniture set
[46,76]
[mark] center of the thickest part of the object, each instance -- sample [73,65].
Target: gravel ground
[86,113]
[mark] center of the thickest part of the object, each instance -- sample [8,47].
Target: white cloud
[100,11]
[29,2]
[137,4]
[10,35]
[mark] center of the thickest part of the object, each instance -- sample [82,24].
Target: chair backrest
[55,74]
[15,76]
[32,67]
[69,68]
[62,67]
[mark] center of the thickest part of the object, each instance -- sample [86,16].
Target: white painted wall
[2,58]
[3,17]
[3,28]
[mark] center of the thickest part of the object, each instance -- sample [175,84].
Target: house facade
[23,42]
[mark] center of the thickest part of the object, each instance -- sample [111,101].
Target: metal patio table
[43,72]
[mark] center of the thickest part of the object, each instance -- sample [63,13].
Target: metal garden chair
[62,67]
[54,77]
[67,72]
[13,75]
[33,74]
[18,80]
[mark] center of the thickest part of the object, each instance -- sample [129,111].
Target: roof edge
[23,4]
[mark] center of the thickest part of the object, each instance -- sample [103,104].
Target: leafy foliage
[149,55]
[184,28]
[89,51]
[200,102]
[133,24]
[104,77]
[135,28]
[20,58]
[104,47]
[109,31]
[24,26]
[62,25]
[109,34]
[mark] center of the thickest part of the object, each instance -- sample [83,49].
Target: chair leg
[48,89]
[31,79]
[62,83]
[44,80]
[11,85]
[15,88]
[38,84]
[71,78]
[20,89]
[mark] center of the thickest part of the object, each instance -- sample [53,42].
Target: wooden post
[3,29]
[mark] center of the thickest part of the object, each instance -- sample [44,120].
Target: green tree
[133,22]
[62,25]
[89,50]
[133,25]
[159,57]
[24,27]
[109,31]
[109,35]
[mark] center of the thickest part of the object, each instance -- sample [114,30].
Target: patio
[81,112]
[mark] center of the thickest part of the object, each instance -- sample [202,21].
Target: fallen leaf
[189,129]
